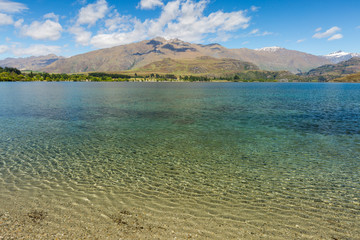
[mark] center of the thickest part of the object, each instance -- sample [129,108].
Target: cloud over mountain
[3,48]
[92,12]
[178,19]
[45,30]
[36,50]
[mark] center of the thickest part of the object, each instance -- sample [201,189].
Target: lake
[179,160]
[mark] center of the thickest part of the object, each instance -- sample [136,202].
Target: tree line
[13,74]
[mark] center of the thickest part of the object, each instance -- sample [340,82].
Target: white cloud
[301,40]
[118,23]
[7,8]
[221,37]
[170,12]
[47,30]
[113,39]
[11,7]
[92,13]
[258,33]
[36,50]
[5,19]
[89,15]
[52,16]
[327,33]
[183,19]
[266,33]
[150,4]
[318,29]
[3,49]
[81,35]
[255,31]
[18,23]
[82,2]
[336,37]
[254,8]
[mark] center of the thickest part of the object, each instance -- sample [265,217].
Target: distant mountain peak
[174,40]
[340,56]
[270,49]
[338,53]
[166,40]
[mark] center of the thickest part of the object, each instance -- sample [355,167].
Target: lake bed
[179,160]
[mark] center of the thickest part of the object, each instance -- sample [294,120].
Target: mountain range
[30,63]
[136,55]
[330,72]
[154,54]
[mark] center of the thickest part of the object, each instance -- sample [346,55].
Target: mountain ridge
[139,54]
[338,70]
[136,55]
[34,63]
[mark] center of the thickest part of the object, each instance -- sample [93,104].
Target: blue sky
[67,28]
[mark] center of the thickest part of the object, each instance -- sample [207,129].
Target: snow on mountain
[340,56]
[269,49]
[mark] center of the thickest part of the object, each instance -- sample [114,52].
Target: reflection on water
[185,160]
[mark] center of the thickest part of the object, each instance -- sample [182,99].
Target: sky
[70,27]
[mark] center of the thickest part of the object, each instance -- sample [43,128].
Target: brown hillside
[355,78]
[30,63]
[199,66]
[136,55]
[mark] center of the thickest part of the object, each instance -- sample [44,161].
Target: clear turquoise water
[202,160]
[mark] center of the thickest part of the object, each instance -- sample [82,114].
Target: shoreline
[212,81]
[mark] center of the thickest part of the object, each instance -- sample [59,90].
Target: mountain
[340,56]
[338,70]
[198,66]
[277,59]
[126,57]
[136,55]
[30,63]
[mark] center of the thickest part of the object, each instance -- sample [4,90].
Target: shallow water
[180,160]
